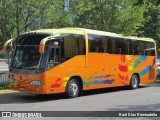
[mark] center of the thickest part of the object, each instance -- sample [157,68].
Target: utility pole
[66,5]
[39,20]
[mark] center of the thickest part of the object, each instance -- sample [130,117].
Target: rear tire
[73,88]
[134,82]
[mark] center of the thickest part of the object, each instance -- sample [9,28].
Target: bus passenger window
[118,50]
[120,46]
[96,49]
[96,46]
[137,52]
[131,52]
[73,45]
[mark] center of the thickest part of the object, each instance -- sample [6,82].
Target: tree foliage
[152,21]
[128,17]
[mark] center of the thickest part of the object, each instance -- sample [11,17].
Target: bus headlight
[36,82]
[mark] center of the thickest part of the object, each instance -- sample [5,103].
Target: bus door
[54,70]
[54,57]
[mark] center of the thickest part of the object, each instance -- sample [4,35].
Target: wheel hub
[73,88]
[135,81]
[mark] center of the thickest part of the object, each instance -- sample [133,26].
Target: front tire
[134,82]
[73,88]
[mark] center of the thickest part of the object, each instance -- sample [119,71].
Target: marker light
[55,43]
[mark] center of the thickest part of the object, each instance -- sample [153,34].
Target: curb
[5,91]
[157,81]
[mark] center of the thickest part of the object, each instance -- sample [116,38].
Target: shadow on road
[134,109]
[149,107]
[109,90]
[19,98]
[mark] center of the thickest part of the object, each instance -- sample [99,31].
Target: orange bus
[70,60]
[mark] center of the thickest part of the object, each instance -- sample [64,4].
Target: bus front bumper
[28,88]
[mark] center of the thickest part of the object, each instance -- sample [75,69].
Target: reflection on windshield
[26,57]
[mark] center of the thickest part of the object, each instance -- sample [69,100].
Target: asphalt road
[146,98]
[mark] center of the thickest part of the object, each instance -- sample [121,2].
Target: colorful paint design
[125,68]
[59,79]
[125,58]
[90,78]
[123,77]
[133,65]
[106,76]
[137,62]
[57,84]
[95,80]
[99,82]
[147,69]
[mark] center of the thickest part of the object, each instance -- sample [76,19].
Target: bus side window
[120,46]
[97,43]
[81,45]
[153,53]
[94,48]
[118,50]
[146,52]
[137,52]
[131,51]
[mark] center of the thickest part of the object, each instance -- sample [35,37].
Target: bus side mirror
[43,42]
[4,50]
[41,48]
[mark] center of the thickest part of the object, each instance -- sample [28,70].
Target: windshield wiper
[31,68]
[17,66]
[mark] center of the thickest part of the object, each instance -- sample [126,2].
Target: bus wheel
[73,88]
[134,82]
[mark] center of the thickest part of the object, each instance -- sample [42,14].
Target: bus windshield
[26,54]
[26,57]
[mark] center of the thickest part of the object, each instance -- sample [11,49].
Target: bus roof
[82,30]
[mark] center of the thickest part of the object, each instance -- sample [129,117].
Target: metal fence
[3,79]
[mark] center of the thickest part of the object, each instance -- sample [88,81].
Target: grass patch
[4,87]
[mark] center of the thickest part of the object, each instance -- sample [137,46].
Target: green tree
[6,19]
[18,16]
[151,26]
[120,16]
[57,17]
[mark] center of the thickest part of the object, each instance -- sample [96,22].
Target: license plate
[21,88]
